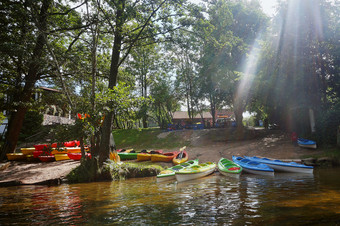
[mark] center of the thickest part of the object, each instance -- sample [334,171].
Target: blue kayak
[305,143]
[253,167]
[278,165]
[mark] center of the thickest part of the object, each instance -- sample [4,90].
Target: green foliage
[2,117]
[122,101]
[131,169]
[32,124]
[327,125]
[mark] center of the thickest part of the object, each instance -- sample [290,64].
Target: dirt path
[206,145]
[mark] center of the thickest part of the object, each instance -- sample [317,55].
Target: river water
[283,199]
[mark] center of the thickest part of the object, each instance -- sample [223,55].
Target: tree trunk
[104,151]
[238,111]
[17,118]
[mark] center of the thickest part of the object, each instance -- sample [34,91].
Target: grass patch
[333,153]
[147,139]
[131,169]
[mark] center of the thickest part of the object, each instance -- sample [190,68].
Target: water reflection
[216,199]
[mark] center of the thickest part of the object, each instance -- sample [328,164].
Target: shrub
[32,124]
[327,125]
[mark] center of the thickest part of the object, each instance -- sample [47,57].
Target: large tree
[228,34]
[132,21]
[298,67]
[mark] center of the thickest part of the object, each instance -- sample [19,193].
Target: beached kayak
[195,171]
[180,157]
[278,165]
[169,173]
[165,157]
[228,167]
[253,167]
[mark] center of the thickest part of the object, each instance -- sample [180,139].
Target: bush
[327,125]
[32,124]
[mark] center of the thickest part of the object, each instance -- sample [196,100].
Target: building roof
[224,113]
[184,115]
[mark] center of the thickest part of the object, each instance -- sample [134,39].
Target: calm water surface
[284,199]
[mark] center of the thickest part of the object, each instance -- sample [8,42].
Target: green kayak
[228,167]
[169,174]
[194,172]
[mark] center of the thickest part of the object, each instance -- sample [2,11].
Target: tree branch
[140,32]
[68,11]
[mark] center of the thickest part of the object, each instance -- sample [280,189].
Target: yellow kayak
[16,156]
[27,151]
[60,157]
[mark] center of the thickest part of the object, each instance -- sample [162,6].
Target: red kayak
[77,156]
[73,143]
[36,154]
[40,147]
[44,158]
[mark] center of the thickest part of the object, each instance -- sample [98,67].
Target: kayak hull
[61,157]
[166,157]
[16,156]
[195,172]
[253,167]
[228,168]
[277,165]
[178,159]
[169,174]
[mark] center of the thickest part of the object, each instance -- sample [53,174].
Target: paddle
[181,152]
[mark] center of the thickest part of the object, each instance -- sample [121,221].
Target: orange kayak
[165,157]
[146,156]
[180,158]
[143,157]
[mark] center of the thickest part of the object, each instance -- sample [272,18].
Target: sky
[268,6]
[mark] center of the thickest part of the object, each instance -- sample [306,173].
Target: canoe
[46,158]
[169,173]
[165,157]
[77,156]
[27,151]
[16,156]
[195,171]
[61,157]
[180,157]
[228,168]
[253,166]
[278,165]
[304,143]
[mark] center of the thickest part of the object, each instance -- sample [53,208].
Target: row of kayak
[176,157]
[191,170]
[55,154]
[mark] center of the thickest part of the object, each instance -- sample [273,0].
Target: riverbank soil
[205,145]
